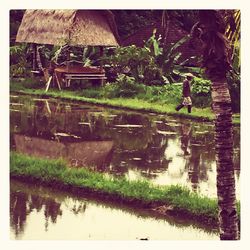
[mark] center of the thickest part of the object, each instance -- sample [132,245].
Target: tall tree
[216,63]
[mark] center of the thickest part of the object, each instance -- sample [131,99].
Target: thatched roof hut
[72,27]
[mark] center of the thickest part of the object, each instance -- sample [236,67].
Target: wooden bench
[76,72]
[85,76]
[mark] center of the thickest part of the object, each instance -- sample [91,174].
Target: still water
[39,213]
[160,148]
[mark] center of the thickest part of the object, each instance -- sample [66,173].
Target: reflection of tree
[51,211]
[35,203]
[148,161]
[25,200]
[22,204]
[131,138]
[77,209]
[18,211]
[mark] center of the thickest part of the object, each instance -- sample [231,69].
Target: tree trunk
[217,64]
[228,220]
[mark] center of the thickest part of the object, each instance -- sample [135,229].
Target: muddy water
[160,148]
[40,213]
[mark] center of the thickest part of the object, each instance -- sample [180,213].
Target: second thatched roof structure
[72,27]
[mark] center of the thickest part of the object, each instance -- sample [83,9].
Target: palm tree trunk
[228,220]
[217,64]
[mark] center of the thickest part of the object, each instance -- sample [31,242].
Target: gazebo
[73,28]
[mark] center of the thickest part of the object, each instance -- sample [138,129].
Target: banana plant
[170,63]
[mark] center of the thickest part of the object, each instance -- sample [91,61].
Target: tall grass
[56,171]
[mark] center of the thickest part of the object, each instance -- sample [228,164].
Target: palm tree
[216,63]
[211,29]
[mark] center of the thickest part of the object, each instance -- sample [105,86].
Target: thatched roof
[73,27]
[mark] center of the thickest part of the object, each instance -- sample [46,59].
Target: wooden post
[57,81]
[34,57]
[101,55]
[68,59]
[101,63]
[48,84]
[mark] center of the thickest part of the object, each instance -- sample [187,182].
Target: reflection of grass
[160,106]
[120,189]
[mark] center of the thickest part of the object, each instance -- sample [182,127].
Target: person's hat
[189,74]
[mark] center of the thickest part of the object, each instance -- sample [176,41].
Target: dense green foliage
[124,87]
[19,63]
[137,62]
[57,171]
[167,94]
[152,64]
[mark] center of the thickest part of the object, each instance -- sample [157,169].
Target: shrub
[170,93]
[138,63]
[125,86]
[18,62]
[201,92]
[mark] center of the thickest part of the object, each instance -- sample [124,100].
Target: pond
[40,213]
[159,148]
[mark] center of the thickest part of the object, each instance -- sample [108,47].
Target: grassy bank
[139,193]
[139,103]
[163,106]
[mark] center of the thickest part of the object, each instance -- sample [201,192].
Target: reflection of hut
[84,153]
[70,27]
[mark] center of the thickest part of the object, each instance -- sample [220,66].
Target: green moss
[56,171]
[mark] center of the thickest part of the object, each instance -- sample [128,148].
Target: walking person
[186,93]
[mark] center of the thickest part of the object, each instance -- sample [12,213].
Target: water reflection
[41,213]
[157,147]
[90,153]
[23,204]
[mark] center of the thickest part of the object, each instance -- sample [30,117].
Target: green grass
[56,171]
[160,106]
